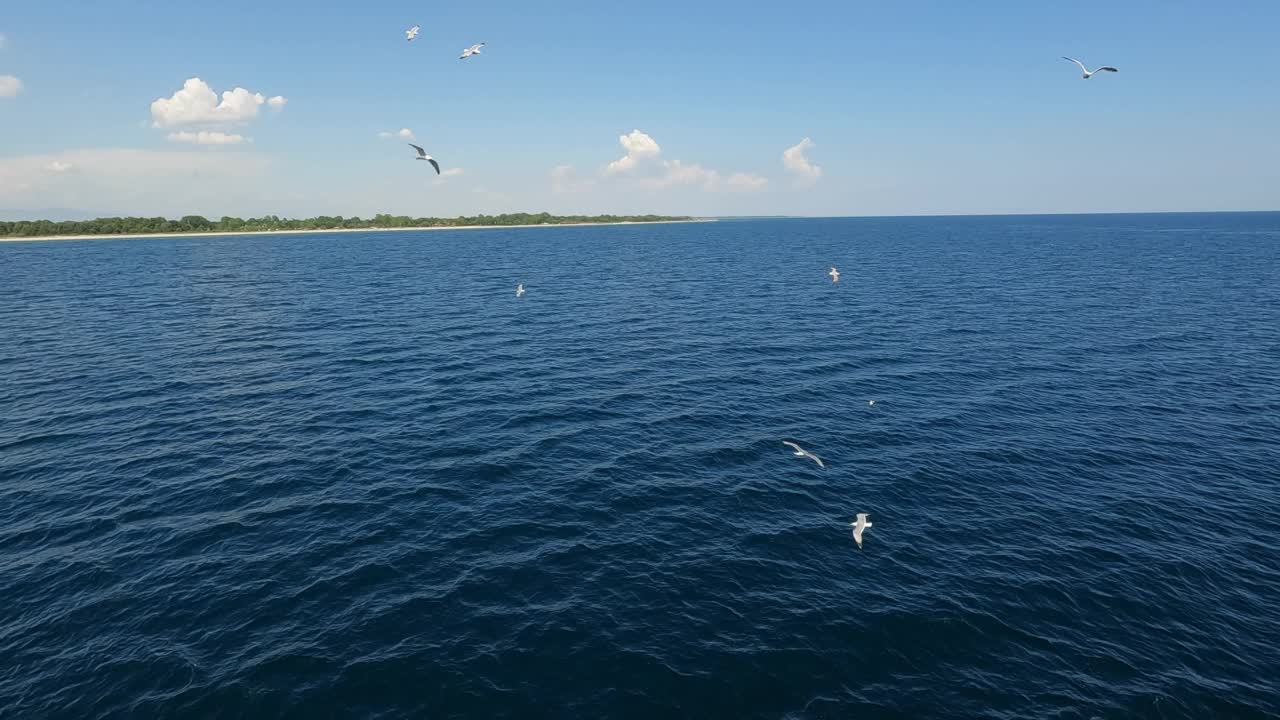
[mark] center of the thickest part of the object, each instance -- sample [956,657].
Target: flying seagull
[801,452]
[1085,70]
[859,526]
[871,403]
[835,276]
[473,50]
[519,289]
[412,32]
[422,155]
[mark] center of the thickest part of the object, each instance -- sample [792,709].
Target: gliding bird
[1087,73]
[859,526]
[422,155]
[473,50]
[801,452]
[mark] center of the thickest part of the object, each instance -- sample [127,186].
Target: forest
[269,223]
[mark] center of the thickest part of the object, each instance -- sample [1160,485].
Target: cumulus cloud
[794,160]
[205,137]
[402,133]
[10,86]
[277,102]
[746,182]
[675,173]
[638,146]
[59,166]
[197,104]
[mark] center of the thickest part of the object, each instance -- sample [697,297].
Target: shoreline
[220,233]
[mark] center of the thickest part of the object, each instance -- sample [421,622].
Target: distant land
[197,225]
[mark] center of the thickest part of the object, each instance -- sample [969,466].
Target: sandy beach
[41,238]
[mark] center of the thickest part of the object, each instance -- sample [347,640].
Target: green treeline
[195,223]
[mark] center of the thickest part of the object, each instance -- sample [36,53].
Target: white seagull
[422,155]
[835,275]
[412,32]
[519,289]
[473,50]
[801,452]
[871,403]
[859,526]
[1087,73]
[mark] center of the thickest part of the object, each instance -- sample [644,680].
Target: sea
[354,476]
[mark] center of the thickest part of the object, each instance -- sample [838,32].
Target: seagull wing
[1083,69]
[434,164]
[790,444]
[816,459]
[421,152]
[1107,68]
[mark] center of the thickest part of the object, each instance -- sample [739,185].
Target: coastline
[43,238]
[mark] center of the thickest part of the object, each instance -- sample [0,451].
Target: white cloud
[565,180]
[746,182]
[139,182]
[402,133]
[448,173]
[795,162]
[675,173]
[205,137]
[10,86]
[197,104]
[638,146]
[277,102]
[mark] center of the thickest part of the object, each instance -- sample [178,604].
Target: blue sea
[352,476]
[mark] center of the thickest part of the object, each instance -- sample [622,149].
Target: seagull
[1085,70]
[871,403]
[859,526]
[519,289]
[801,452]
[412,32]
[835,275]
[422,155]
[473,50]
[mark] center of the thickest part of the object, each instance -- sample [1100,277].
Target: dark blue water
[352,476]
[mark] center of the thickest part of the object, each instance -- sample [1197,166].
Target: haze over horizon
[716,109]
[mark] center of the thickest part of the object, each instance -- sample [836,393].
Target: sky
[701,107]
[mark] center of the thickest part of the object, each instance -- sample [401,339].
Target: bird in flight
[871,403]
[473,50]
[859,526]
[801,452]
[835,275]
[520,290]
[1087,73]
[412,32]
[422,155]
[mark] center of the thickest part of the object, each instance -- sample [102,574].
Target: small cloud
[677,173]
[58,166]
[564,179]
[746,182]
[449,173]
[795,162]
[402,133]
[10,86]
[208,138]
[638,146]
[197,104]
[277,102]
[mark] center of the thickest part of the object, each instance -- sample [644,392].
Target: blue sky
[910,108]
